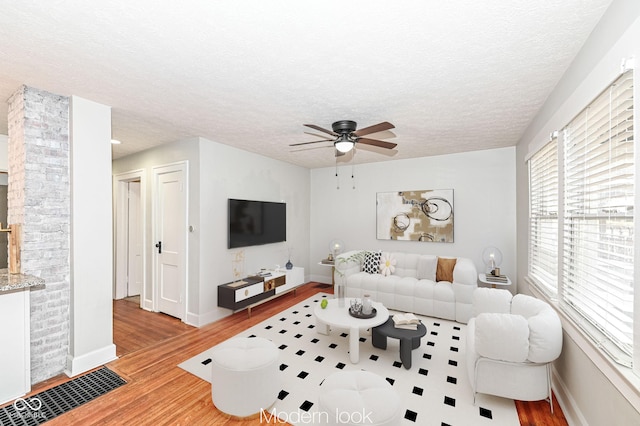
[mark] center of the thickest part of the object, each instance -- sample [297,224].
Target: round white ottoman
[245,376]
[359,398]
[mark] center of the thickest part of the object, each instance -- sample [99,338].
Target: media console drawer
[249,291]
[274,282]
[236,295]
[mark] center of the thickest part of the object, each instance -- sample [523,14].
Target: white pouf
[245,376]
[357,398]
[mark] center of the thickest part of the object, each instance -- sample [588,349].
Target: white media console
[254,290]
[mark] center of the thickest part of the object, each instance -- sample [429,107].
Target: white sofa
[412,287]
[511,342]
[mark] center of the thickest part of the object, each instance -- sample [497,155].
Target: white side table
[332,265]
[483,279]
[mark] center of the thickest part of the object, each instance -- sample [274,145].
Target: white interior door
[134,249]
[130,225]
[170,204]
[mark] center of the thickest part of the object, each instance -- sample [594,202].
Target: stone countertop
[11,282]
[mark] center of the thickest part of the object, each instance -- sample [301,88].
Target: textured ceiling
[452,76]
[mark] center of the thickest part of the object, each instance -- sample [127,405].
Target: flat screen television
[253,223]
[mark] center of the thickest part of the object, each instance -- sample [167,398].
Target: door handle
[159,245]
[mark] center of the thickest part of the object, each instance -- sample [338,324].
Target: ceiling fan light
[344,145]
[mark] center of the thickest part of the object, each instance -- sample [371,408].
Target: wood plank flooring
[135,329]
[150,346]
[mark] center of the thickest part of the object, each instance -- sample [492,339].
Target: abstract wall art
[424,215]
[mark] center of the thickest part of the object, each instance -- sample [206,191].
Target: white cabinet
[15,365]
[294,278]
[15,336]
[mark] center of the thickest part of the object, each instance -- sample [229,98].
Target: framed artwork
[424,215]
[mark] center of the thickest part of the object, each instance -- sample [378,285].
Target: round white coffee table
[336,314]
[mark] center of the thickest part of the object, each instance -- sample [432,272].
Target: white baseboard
[569,407]
[323,279]
[192,319]
[80,364]
[147,305]
[207,318]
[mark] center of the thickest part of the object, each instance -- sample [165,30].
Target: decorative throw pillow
[387,264]
[427,265]
[371,263]
[444,272]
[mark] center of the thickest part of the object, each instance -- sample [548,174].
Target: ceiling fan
[346,136]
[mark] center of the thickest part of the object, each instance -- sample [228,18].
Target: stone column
[39,199]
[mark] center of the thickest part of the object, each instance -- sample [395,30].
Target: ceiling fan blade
[385,125]
[307,143]
[377,150]
[346,157]
[339,153]
[318,135]
[385,134]
[313,126]
[375,142]
[311,148]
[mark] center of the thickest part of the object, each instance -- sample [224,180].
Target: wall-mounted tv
[253,223]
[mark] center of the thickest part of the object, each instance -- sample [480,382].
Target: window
[543,218]
[581,243]
[598,214]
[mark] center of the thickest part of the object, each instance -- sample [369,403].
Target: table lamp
[492,258]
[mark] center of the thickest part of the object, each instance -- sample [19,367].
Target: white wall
[187,150]
[91,339]
[581,368]
[228,172]
[483,184]
[218,172]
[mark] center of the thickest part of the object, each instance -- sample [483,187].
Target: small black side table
[409,339]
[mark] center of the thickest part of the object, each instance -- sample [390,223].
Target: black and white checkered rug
[435,391]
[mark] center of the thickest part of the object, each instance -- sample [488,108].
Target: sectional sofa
[440,287]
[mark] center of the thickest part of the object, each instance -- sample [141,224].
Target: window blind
[543,218]
[598,229]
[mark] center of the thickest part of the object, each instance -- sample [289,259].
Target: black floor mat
[53,402]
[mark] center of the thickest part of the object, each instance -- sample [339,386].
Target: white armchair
[511,342]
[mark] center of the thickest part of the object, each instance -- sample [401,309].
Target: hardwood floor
[135,329]
[150,346]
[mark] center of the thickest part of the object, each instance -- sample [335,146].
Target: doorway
[130,235]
